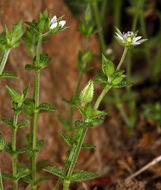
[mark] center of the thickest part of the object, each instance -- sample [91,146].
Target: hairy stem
[35,122]
[14,157]
[4,60]
[1,183]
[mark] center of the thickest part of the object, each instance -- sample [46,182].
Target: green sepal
[28,107]
[8,122]
[8,75]
[23,124]
[14,95]
[82,124]
[108,67]
[55,171]
[46,107]
[65,123]
[88,14]
[83,175]
[2,142]
[67,139]
[88,146]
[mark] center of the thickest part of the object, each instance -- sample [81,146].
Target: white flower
[129,38]
[54,23]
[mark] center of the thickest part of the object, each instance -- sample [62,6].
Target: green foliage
[65,123]
[8,75]
[83,175]
[46,107]
[55,171]
[2,142]
[11,39]
[108,67]
[67,139]
[153,111]
[28,107]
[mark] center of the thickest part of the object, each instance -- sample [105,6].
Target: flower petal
[54,19]
[54,25]
[62,23]
[137,38]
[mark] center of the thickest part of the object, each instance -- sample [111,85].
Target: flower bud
[87,93]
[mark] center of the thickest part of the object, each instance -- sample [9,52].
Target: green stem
[4,60]
[99,27]
[80,142]
[104,10]
[78,84]
[14,157]
[1,183]
[122,58]
[72,109]
[75,157]
[101,96]
[35,122]
[117,11]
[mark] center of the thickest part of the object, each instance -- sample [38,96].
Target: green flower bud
[87,93]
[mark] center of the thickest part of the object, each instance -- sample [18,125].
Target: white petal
[54,25]
[135,43]
[54,19]
[137,38]
[62,23]
[120,37]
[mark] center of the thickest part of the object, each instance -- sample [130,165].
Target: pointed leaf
[82,124]
[15,96]
[55,171]
[88,146]
[8,176]
[41,179]
[23,124]
[8,75]
[67,139]
[46,107]
[23,173]
[2,142]
[8,122]
[65,123]
[83,175]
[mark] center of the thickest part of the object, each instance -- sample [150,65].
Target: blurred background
[130,136]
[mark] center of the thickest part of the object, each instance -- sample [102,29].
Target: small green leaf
[15,96]
[55,171]
[46,107]
[28,107]
[82,124]
[25,92]
[8,176]
[88,146]
[2,142]
[8,122]
[28,180]
[67,139]
[8,75]
[8,148]
[88,14]
[83,175]
[23,173]
[43,62]
[23,124]
[40,144]
[108,67]
[29,67]
[87,56]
